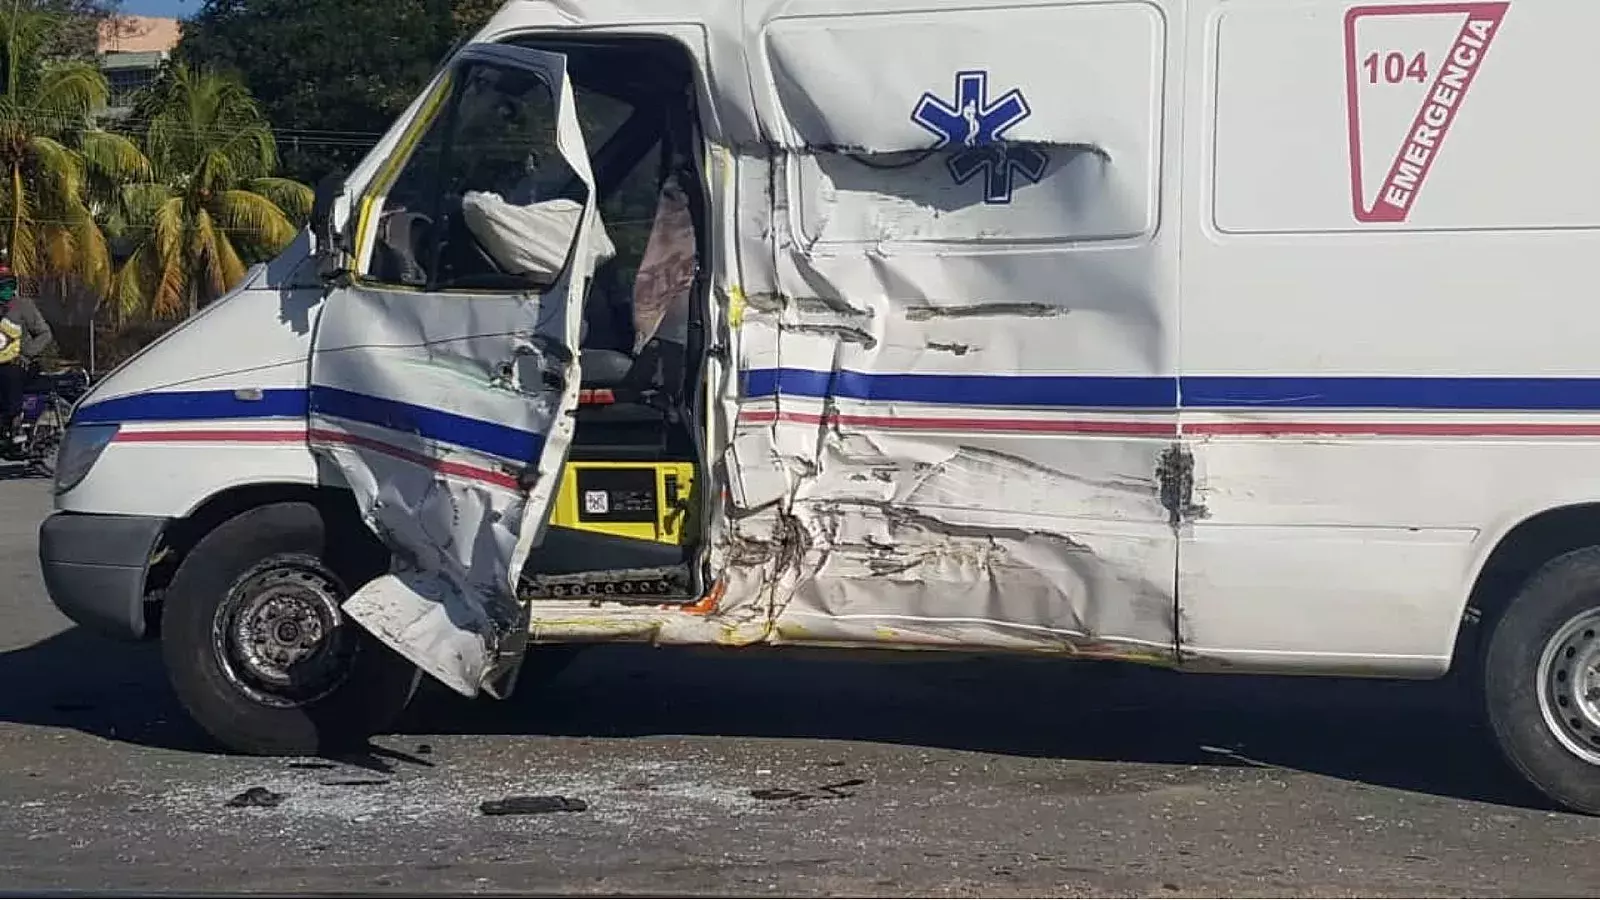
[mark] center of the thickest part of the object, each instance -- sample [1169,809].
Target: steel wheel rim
[279,636]
[1569,685]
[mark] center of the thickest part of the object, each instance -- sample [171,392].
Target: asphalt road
[750,775]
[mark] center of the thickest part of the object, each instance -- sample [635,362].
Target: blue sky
[178,8]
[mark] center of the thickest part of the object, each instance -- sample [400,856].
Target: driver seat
[605,368]
[606,333]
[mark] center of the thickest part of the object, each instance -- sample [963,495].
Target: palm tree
[51,155]
[213,202]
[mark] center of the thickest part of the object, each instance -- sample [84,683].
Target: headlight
[80,448]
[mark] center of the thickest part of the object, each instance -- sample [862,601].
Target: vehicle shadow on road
[1421,737]
[110,689]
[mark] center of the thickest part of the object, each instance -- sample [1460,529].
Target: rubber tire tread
[377,690]
[1559,591]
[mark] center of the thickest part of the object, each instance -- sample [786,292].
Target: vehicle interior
[627,521]
[495,207]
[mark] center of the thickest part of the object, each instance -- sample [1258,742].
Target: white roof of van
[891,79]
[779,61]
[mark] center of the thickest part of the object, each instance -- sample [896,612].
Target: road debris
[257,797]
[531,806]
[836,791]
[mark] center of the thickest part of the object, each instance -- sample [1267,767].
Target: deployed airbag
[530,240]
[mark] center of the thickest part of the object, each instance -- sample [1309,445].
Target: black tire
[370,686]
[1563,590]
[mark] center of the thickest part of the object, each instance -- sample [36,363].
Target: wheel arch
[336,504]
[1516,556]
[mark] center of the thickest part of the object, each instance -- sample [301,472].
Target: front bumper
[95,566]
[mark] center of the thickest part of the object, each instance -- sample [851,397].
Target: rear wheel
[1542,681]
[256,645]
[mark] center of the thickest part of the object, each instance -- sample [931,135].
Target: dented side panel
[953,404]
[408,395]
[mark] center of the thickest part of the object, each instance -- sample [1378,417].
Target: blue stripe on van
[968,390]
[1064,391]
[284,403]
[1198,392]
[475,434]
[1442,394]
[194,406]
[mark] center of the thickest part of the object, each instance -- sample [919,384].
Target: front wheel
[258,650]
[1542,681]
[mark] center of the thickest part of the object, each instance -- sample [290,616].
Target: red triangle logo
[1408,70]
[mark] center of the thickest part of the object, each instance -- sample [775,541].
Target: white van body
[1229,335]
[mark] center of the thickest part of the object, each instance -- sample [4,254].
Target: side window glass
[402,240]
[599,116]
[629,212]
[486,201]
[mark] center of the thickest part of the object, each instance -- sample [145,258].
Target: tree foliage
[470,15]
[331,75]
[215,201]
[78,25]
[51,155]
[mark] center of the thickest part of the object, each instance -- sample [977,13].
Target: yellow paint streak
[788,631]
[736,304]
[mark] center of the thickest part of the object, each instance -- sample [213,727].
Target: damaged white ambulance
[1224,335]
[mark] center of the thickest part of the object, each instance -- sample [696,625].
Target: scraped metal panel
[963,392]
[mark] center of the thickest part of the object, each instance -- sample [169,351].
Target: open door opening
[510,381]
[626,524]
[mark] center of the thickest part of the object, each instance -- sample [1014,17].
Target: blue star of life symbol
[979,127]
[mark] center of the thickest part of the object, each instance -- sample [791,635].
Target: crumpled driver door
[445,371]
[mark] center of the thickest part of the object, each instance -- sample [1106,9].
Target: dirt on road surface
[656,772]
